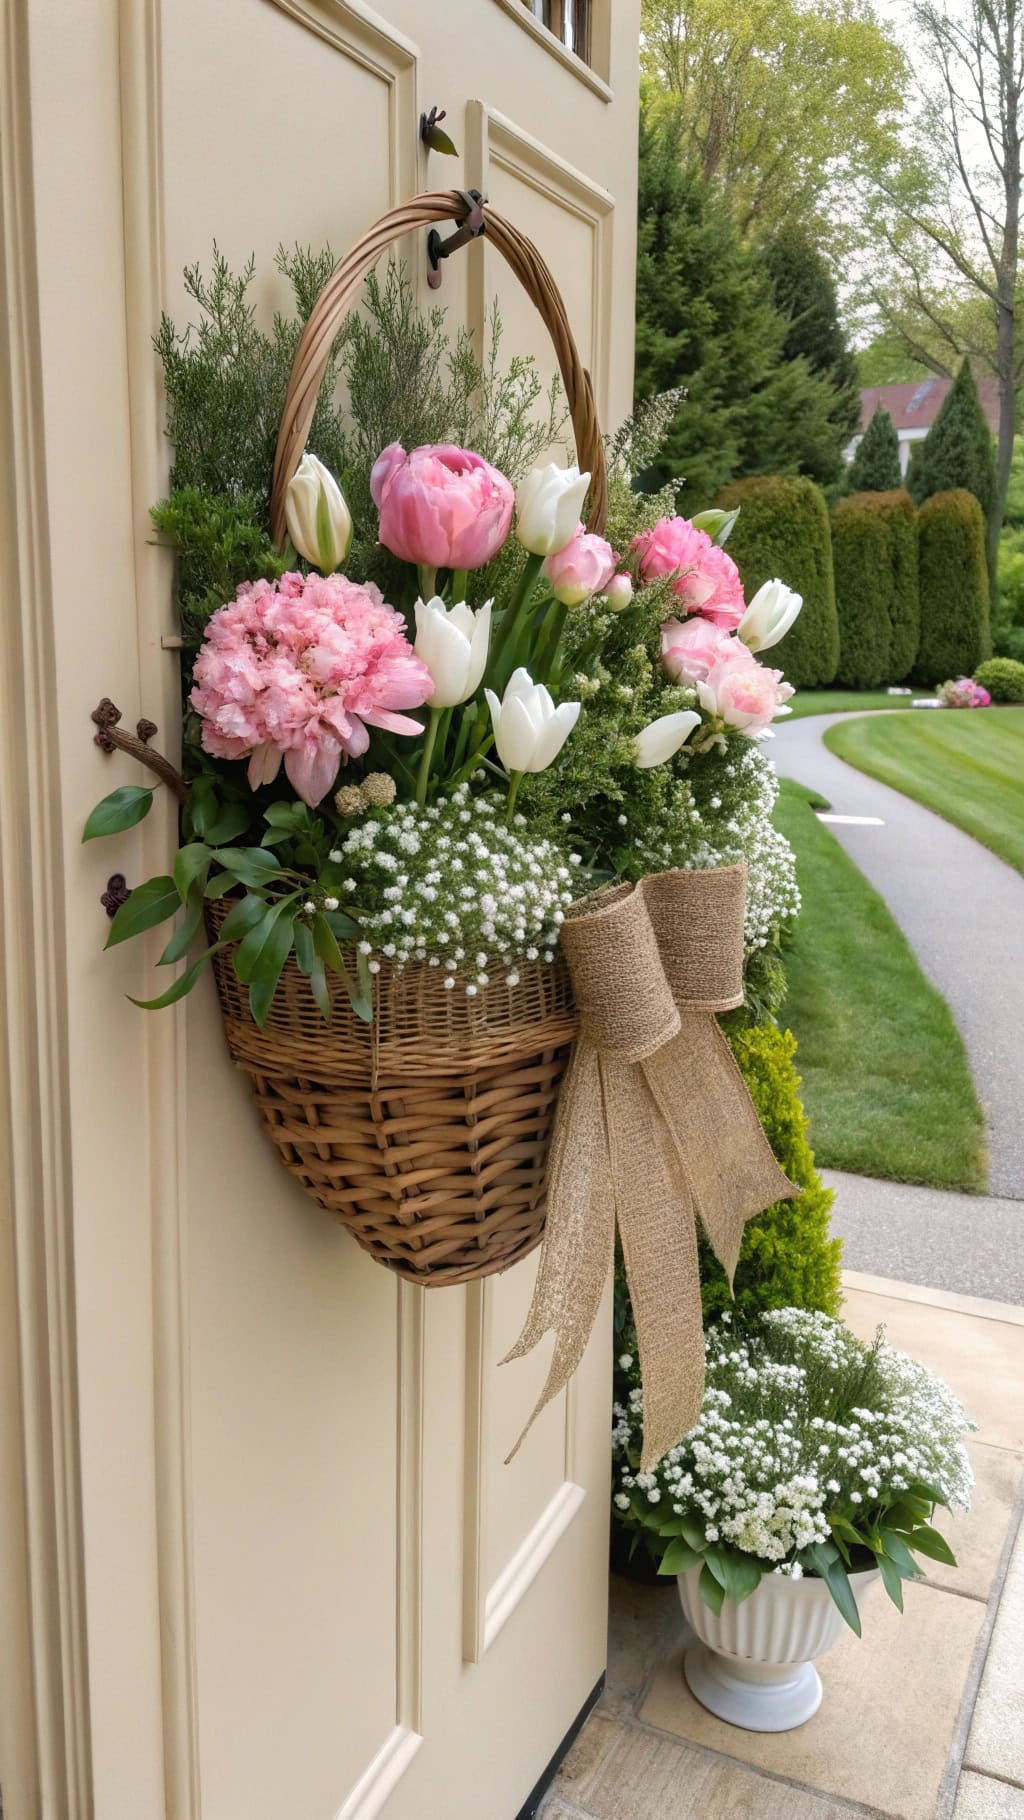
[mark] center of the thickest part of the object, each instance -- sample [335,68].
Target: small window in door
[569,20]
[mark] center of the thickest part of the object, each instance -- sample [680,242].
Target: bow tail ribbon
[655,1129]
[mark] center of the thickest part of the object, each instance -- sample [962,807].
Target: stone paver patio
[923,1719]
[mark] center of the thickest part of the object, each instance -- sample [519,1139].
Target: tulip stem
[513,792]
[459,579]
[427,580]
[550,639]
[521,592]
[428,753]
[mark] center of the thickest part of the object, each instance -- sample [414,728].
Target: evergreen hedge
[953,577]
[1003,677]
[783,531]
[874,553]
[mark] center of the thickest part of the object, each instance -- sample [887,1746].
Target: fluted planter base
[753,1664]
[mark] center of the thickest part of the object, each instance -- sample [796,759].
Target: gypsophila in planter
[463,790]
[815,1469]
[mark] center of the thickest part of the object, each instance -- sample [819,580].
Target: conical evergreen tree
[707,320]
[805,292]
[875,467]
[958,450]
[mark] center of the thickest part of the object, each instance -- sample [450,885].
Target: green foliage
[805,292]
[886,361]
[954,587]
[783,530]
[874,552]
[875,467]
[787,1259]
[1008,602]
[1003,677]
[707,320]
[220,541]
[958,450]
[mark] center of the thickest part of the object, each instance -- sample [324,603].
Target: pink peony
[299,669]
[690,648]
[746,696]
[582,568]
[440,506]
[708,580]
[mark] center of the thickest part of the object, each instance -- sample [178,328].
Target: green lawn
[887,1088]
[967,765]
[849,701]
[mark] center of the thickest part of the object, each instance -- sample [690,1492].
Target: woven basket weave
[426,1132]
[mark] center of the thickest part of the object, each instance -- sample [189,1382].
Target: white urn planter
[753,1663]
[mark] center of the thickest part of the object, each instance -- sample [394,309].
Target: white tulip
[662,739]
[319,522]
[548,507]
[769,616]
[453,643]
[529,731]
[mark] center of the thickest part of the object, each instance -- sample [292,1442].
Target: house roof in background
[916,406]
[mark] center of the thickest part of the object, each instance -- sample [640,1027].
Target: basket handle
[336,299]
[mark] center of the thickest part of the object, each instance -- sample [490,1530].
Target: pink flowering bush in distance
[441,507]
[582,569]
[707,580]
[964,692]
[298,671]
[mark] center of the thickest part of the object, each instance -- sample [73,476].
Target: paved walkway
[961,909]
[969,1243]
[922,1720]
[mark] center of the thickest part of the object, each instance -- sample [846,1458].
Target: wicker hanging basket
[426,1132]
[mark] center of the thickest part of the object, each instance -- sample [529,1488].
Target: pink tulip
[690,648]
[582,568]
[441,507]
[708,580]
[744,696]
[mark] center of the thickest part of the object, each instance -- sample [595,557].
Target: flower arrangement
[963,692]
[814,1454]
[432,774]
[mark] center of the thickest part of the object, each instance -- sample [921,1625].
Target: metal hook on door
[472,227]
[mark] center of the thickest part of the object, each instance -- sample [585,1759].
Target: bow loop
[622,991]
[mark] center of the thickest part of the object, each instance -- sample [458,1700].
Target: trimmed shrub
[874,553]
[875,467]
[953,578]
[787,1259]
[783,531]
[958,450]
[1003,677]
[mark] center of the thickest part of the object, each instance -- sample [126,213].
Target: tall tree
[954,206]
[777,99]
[875,467]
[707,320]
[805,292]
[958,451]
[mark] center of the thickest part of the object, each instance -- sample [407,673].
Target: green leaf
[261,997]
[927,1541]
[183,937]
[678,1557]
[342,925]
[896,1549]
[710,1591]
[362,997]
[737,1575]
[148,905]
[190,862]
[243,917]
[293,816]
[263,952]
[232,821]
[892,1580]
[326,945]
[305,953]
[220,884]
[249,865]
[122,809]
[837,1580]
[319,986]
[184,983]
[201,807]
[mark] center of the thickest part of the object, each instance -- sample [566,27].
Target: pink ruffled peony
[746,696]
[708,580]
[299,669]
[442,507]
[584,567]
[690,648]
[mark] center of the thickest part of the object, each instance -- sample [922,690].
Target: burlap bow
[655,1128]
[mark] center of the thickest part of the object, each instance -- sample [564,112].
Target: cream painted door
[268,1562]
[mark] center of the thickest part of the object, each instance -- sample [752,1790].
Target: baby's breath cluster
[804,1429]
[453,885]
[718,813]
